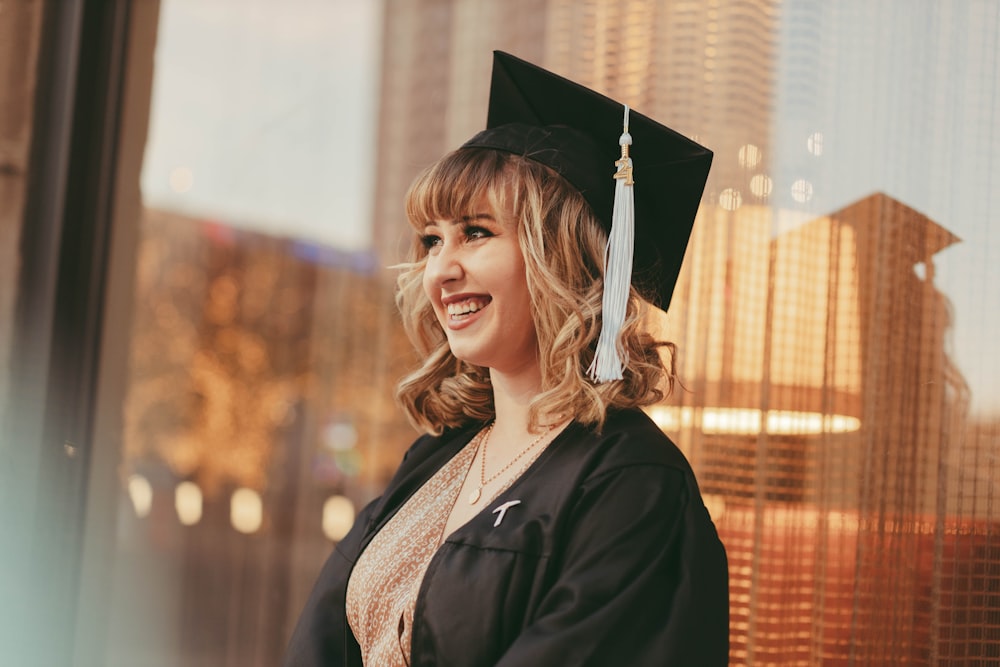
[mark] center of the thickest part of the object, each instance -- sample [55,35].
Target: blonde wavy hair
[563,248]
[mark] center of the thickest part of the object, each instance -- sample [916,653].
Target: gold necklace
[478,491]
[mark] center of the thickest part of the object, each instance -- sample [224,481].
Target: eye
[476,233]
[430,241]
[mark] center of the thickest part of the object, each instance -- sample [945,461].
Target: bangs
[457,184]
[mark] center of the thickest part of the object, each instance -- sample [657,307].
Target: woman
[544,519]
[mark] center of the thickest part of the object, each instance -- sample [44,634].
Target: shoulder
[630,439]
[631,452]
[631,468]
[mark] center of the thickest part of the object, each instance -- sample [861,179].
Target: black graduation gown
[610,558]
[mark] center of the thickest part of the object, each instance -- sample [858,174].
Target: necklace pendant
[474,496]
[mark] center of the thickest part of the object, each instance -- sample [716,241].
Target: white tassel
[610,357]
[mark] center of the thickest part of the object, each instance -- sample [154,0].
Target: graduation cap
[591,141]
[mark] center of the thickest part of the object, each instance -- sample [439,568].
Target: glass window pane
[259,412]
[836,314]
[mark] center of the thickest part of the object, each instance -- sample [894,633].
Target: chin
[469,357]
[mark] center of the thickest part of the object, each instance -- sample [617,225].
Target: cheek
[430,292]
[524,301]
[425,283]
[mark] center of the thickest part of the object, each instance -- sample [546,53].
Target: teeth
[465,307]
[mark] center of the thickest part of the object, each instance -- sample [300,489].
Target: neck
[512,396]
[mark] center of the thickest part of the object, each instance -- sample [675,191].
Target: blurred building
[821,411]
[249,408]
[679,61]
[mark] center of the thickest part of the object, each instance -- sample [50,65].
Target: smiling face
[475,280]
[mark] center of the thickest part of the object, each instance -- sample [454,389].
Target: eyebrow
[464,220]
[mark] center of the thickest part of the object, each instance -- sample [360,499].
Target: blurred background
[199,200]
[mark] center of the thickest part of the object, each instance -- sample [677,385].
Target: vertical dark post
[58,314]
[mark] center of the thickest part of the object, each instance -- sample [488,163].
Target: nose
[443,266]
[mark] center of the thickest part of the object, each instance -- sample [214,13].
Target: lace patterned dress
[382,590]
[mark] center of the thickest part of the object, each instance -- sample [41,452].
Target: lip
[455,298]
[469,320]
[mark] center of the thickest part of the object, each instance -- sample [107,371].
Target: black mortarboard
[574,131]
